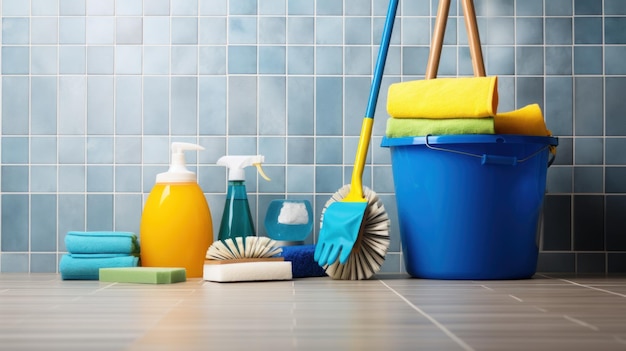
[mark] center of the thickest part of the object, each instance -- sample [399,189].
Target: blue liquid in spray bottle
[237,218]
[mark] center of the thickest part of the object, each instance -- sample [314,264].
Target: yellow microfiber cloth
[467,97]
[404,127]
[524,121]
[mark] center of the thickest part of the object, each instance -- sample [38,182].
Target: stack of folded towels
[466,105]
[90,251]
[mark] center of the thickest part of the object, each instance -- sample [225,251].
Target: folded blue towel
[101,242]
[87,267]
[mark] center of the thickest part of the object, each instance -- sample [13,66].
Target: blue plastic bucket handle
[477,138]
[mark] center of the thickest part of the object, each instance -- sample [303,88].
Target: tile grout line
[593,288]
[446,331]
[581,323]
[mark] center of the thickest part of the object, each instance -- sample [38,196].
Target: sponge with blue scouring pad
[302,263]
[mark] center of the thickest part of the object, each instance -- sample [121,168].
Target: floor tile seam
[593,288]
[431,319]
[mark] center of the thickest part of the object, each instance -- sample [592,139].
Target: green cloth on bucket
[404,127]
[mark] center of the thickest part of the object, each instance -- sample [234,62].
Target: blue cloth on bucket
[101,242]
[302,263]
[87,266]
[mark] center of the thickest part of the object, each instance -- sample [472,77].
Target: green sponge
[146,275]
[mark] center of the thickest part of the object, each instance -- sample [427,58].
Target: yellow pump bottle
[176,227]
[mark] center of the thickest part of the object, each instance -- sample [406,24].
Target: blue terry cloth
[101,242]
[302,263]
[87,267]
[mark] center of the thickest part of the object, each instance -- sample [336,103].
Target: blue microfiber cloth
[87,266]
[101,243]
[302,262]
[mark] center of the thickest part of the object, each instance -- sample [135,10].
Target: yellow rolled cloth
[466,97]
[527,120]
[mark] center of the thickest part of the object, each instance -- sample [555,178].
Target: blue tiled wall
[94,91]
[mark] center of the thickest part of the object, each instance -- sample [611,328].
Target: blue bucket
[469,205]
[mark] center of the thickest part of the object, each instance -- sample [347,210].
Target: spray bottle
[237,219]
[176,227]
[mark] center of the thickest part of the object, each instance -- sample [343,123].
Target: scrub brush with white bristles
[370,248]
[249,258]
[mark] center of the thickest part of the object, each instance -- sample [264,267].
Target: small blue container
[469,205]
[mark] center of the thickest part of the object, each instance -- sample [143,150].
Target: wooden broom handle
[472,36]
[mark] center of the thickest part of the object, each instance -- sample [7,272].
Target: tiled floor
[40,311]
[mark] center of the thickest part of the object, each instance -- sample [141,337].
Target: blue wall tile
[212,106]
[15,105]
[242,59]
[156,105]
[44,60]
[558,7]
[72,30]
[156,30]
[614,151]
[614,180]
[72,59]
[242,106]
[588,180]
[588,30]
[558,30]
[158,7]
[328,106]
[272,106]
[589,151]
[614,105]
[43,179]
[14,179]
[15,8]
[587,7]
[301,106]
[129,8]
[529,31]
[43,105]
[558,60]
[184,60]
[100,30]
[100,59]
[14,214]
[212,60]
[43,150]
[14,150]
[183,104]
[15,59]
[588,106]
[43,223]
[101,7]
[44,30]
[277,7]
[184,30]
[15,30]
[128,105]
[100,97]
[614,7]
[614,65]
[588,60]
[326,29]
[129,30]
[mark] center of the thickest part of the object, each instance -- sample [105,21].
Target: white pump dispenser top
[178,172]
[236,164]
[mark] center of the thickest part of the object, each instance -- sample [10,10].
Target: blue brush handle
[382,57]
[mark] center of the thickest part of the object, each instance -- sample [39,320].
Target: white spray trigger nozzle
[236,164]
